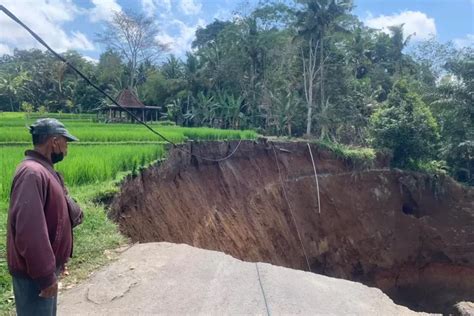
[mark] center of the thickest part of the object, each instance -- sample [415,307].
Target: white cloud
[4,49]
[415,22]
[149,7]
[91,59]
[179,44]
[191,7]
[46,18]
[80,40]
[103,10]
[223,14]
[467,41]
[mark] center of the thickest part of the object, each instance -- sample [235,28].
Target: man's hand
[49,291]
[65,271]
[75,213]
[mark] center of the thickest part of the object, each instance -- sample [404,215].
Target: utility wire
[290,208]
[315,177]
[42,42]
[267,308]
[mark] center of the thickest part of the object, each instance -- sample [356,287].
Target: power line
[290,208]
[267,308]
[42,42]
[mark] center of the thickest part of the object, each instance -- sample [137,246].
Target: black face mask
[56,157]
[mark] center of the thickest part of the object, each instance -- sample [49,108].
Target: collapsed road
[407,233]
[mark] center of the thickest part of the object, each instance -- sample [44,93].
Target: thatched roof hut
[129,100]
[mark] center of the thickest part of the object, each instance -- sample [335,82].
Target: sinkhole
[409,234]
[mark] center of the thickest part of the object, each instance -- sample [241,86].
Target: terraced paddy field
[105,154]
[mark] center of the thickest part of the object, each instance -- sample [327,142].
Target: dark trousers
[27,300]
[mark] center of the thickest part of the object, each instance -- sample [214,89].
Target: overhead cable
[285,195]
[64,60]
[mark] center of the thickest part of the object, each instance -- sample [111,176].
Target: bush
[359,156]
[166,123]
[432,167]
[405,125]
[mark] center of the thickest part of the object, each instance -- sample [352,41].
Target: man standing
[40,221]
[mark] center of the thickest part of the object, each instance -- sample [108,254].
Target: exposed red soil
[410,234]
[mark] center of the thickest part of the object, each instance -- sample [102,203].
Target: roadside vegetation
[360,156]
[300,68]
[87,130]
[92,171]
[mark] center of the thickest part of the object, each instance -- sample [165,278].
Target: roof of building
[113,106]
[128,99]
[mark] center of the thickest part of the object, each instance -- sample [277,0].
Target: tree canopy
[298,68]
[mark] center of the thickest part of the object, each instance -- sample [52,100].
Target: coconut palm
[318,18]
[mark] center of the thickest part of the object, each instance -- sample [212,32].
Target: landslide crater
[407,233]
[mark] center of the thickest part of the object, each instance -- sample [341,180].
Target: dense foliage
[304,68]
[405,124]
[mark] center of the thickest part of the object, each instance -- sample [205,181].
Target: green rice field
[85,164]
[14,129]
[103,150]
[93,166]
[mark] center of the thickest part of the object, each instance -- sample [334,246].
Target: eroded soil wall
[410,234]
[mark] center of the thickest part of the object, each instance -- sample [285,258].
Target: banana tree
[231,109]
[11,85]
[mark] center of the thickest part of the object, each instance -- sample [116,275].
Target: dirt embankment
[407,233]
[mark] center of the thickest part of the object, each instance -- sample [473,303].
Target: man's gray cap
[51,126]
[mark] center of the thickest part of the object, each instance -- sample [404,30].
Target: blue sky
[72,24]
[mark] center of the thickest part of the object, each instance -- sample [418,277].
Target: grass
[101,132]
[63,116]
[433,167]
[6,300]
[94,164]
[96,235]
[88,171]
[359,156]
[89,131]
[92,240]
[105,154]
[85,164]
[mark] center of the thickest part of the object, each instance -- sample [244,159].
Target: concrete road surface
[165,278]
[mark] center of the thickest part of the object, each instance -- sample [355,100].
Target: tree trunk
[324,126]
[11,104]
[187,111]
[309,75]
[133,66]
[309,115]
[321,67]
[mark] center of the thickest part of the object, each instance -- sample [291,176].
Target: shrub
[405,125]
[359,156]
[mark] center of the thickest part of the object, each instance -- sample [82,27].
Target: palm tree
[8,88]
[313,22]
[452,105]
[11,85]
[172,68]
[398,44]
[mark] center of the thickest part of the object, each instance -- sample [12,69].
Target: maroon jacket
[39,237]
